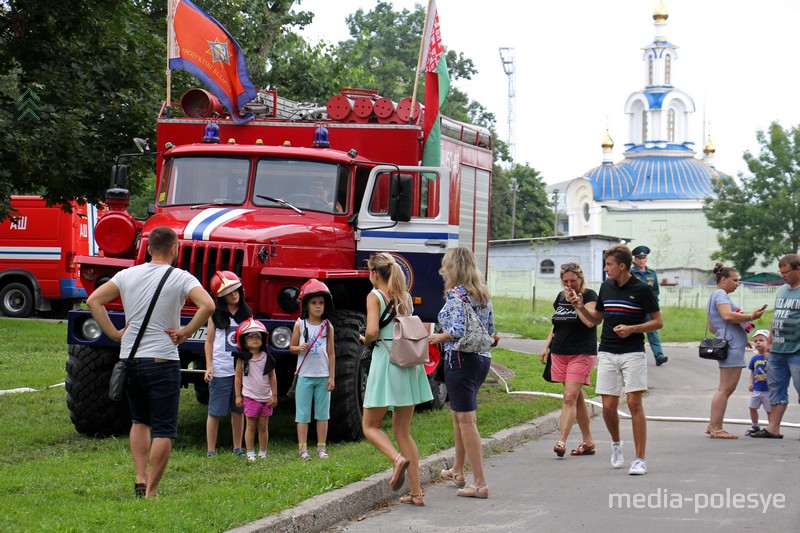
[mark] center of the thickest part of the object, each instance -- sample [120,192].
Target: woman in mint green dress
[389,385]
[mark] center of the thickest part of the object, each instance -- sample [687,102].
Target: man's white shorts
[621,372]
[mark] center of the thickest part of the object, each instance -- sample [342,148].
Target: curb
[326,510]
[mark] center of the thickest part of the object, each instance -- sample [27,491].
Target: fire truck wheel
[91,411]
[351,376]
[16,300]
[439,390]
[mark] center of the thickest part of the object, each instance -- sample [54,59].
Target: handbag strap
[149,312]
[708,313]
[317,336]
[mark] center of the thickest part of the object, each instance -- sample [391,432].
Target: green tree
[533,215]
[94,72]
[761,218]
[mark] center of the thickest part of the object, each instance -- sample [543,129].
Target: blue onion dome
[610,182]
[669,175]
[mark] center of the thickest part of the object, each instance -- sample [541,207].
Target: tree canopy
[760,220]
[114,84]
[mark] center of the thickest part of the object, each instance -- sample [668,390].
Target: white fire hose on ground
[624,415]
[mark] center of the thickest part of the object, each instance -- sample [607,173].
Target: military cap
[641,251]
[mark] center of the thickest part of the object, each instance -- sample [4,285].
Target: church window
[667,69]
[671,126]
[644,126]
[547,267]
[586,211]
[650,70]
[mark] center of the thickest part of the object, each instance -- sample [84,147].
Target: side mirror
[119,177]
[401,197]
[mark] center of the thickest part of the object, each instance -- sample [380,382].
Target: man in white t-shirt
[154,377]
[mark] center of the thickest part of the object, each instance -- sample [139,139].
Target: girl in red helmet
[231,310]
[312,341]
[256,384]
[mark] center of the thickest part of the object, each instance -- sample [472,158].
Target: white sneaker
[617,459]
[638,467]
[251,456]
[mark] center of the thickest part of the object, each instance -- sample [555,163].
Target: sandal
[458,479]
[140,490]
[399,472]
[764,434]
[560,448]
[304,456]
[473,491]
[322,454]
[414,499]
[583,449]
[722,434]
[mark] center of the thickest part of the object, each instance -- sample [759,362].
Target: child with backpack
[231,310]
[256,384]
[312,341]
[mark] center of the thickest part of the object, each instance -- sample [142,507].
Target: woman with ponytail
[389,385]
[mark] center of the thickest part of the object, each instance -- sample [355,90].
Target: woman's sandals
[584,449]
[414,499]
[458,479]
[399,472]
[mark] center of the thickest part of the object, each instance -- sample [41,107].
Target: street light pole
[513,205]
[555,212]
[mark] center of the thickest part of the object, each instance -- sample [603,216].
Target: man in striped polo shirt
[622,306]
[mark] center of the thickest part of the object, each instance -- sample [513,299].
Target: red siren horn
[199,103]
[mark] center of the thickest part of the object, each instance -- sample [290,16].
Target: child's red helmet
[311,288]
[251,325]
[224,282]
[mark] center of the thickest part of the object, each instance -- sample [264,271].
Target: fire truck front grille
[204,259]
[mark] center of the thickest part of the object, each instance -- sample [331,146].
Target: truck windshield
[304,184]
[206,180]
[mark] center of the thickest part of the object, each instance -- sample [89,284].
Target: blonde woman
[389,385]
[464,372]
[572,343]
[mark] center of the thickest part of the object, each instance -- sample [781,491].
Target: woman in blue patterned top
[464,372]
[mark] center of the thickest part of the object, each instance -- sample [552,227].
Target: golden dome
[608,142]
[708,148]
[660,14]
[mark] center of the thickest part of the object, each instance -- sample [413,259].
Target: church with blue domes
[654,195]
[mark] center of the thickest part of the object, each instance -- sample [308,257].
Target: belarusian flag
[437,85]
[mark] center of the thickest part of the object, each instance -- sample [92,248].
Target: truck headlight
[281,337]
[91,330]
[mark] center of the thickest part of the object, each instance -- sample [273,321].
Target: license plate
[199,335]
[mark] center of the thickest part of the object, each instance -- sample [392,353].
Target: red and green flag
[437,85]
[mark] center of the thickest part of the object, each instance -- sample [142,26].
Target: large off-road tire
[438,388]
[352,361]
[16,300]
[90,409]
[201,392]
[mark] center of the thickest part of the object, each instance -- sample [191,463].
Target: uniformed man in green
[649,276]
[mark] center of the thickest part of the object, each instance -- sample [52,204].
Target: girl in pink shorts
[256,385]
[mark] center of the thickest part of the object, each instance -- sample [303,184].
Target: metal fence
[528,284]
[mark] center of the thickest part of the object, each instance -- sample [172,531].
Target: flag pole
[419,63]
[169,50]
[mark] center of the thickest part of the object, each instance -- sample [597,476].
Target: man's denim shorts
[154,390]
[780,368]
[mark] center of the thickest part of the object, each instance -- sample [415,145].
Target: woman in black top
[572,343]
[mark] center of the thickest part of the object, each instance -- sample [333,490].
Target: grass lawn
[55,479]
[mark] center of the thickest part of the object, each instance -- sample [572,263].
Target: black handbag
[546,374]
[119,374]
[712,347]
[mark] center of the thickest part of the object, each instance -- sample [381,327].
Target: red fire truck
[300,192]
[38,246]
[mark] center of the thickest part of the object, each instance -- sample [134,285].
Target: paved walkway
[694,483]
